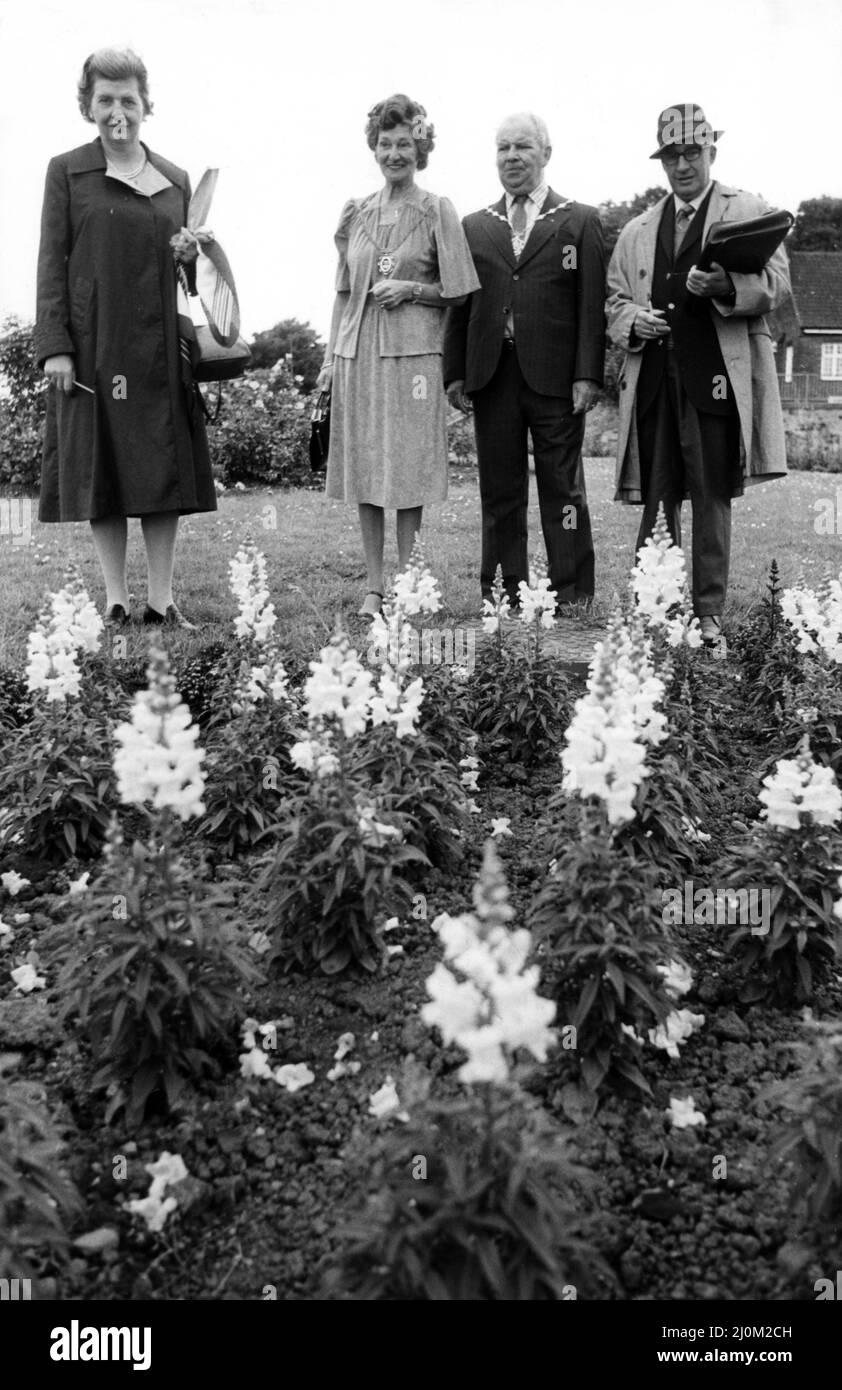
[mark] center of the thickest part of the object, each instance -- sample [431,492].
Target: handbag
[212,357]
[208,310]
[320,433]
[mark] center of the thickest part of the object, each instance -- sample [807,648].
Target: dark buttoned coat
[555,293]
[107,297]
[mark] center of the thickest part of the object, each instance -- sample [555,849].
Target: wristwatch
[416,293]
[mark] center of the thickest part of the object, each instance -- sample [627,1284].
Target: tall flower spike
[659,585]
[248,584]
[801,790]
[158,760]
[483,996]
[68,623]
[816,617]
[415,592]
[614,722]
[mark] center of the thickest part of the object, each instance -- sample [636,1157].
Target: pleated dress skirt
[388,426]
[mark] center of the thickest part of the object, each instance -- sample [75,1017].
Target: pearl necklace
[124,173]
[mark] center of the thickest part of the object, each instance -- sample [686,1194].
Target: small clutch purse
[320,433]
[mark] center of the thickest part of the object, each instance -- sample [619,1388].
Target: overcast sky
[275,94]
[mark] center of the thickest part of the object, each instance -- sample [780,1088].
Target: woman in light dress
[403,258]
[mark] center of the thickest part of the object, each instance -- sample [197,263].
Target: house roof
[817,287]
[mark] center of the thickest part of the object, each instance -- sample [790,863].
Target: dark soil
[269,1186]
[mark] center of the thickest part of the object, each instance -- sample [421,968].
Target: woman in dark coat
[133,443]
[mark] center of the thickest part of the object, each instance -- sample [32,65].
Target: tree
[818,225]
[615,215]
[290,336]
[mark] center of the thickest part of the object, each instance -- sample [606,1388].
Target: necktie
[682,221]
[518,222]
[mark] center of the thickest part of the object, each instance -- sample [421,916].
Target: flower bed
[312,998]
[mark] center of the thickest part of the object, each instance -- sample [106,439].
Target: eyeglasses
[692,154]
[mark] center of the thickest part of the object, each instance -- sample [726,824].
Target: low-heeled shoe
[172,618]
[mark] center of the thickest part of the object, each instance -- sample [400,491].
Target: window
[831,362]
[788,367]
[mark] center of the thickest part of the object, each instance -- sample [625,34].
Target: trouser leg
[557,436]
[502,461]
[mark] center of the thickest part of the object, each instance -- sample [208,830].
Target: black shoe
[172,618]
[116,616]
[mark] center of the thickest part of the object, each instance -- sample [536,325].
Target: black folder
[747,246]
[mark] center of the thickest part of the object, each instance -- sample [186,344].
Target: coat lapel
[547,227]
[719,207]
[648,239]
[496,226]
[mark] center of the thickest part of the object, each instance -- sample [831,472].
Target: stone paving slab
[570,640]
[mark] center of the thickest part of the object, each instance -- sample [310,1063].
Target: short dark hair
[401,110]
[116,65]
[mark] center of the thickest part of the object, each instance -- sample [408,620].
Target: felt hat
[684,124]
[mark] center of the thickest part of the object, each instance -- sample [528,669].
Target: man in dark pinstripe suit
[525,352]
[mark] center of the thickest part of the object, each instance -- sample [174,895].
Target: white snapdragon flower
[154,1208]
[470,775]
[293,1075]
[493,613]
[158,760]
[678,977]
[27,979]
[494,1008]
[339,687]
[415,590]
[800,787]
[500,826]
[248,584]
[659,586]
[816,618]
[68,624]
[385,1102]
[683,1113]
[614,722]
[678,1026]
[374,831]
[537,600]
[13,882]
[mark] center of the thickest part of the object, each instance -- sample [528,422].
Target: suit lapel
[499,232]
[546,228]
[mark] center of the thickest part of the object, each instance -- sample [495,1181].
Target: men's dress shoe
[711,628]
[116,616]
[172,618]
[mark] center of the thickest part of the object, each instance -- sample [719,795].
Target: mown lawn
[315,560]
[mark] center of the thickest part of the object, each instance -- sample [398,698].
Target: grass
[315,564]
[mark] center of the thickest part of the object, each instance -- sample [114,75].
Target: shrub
[417,782]
[263,431]
[495,1218]
[35,1201]
[22,412]
[518,706]
[802,938]
[600,949]
[811,1138]
[248,772]
[57,782]
[338,863]
[154,972]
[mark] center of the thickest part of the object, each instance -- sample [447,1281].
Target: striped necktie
[518,219]
[683,219]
